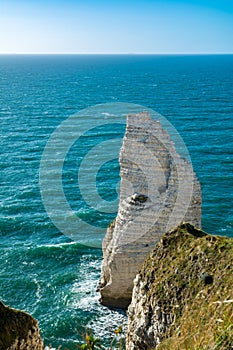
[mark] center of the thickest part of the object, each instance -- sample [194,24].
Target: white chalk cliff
[158,191]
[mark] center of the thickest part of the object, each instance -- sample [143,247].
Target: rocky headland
[182,298]
[158,191]
[183,295]
[176,279]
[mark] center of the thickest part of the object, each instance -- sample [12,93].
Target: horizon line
[117,53]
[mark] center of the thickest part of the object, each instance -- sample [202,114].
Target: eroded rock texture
[159,190]
[182,296]
[18,330]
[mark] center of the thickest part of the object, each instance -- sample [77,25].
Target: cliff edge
[158,191]
[18,330]
[183,296]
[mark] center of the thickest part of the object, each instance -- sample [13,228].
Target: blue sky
[101,26]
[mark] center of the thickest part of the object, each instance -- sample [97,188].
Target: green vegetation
[190,276]
[92,343]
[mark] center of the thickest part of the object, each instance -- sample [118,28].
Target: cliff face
[183,296]
[158,191]
[18,330]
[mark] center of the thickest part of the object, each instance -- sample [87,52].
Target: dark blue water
[42,270]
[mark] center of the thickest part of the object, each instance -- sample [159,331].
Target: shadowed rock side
[18,330]
[182,296]
[158,191]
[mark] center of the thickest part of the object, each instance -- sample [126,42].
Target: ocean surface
[44,269]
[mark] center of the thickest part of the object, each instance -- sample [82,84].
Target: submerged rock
[158,191]
[18,330]
[171,307]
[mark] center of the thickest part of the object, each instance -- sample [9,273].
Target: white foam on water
[86,298]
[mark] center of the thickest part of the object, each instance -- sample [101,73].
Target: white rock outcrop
[158,191]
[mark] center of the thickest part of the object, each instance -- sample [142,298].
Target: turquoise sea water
[42,270]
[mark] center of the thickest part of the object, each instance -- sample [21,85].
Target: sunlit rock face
[158,191]
[182,287]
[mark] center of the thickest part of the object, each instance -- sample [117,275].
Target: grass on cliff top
[190,274]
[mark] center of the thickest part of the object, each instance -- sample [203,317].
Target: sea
[58,114]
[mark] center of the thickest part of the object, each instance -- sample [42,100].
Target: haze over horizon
[117,27]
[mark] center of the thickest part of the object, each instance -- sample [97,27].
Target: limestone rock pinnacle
[158,191]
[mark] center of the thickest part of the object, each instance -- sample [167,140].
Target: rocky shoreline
[175,279]
[182,298]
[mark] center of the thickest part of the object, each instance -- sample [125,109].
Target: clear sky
[116,26]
